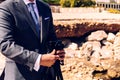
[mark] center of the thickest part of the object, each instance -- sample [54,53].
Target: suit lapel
[40,20]
[22,8]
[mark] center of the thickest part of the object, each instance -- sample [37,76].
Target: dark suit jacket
[19,41]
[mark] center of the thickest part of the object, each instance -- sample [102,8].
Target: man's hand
[61,54]
[49,59]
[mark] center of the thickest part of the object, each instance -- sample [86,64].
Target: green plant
[72,3]
[62,2]
[114,11]
[84,3]
[65,3]
[55,2]
[77,3]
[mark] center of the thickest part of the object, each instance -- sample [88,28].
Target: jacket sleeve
[8,46]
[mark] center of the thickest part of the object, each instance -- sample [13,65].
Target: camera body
[57,45]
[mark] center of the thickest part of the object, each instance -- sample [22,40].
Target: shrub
[72,3]
[84,3]
[77,3]
[114,11]
[53,2]
[65,3]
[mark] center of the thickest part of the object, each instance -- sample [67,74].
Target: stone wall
[58,9]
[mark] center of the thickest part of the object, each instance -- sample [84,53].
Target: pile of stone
[98,58]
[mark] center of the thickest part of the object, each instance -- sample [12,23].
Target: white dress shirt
[37,63]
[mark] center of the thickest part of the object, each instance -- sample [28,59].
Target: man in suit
[25,48]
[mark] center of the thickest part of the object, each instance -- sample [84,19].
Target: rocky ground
[98,58]
[101,64]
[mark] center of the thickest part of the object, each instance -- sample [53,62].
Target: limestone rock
[112,73]
[97,35]
[111,37]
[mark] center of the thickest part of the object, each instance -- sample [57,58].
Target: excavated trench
[77,28]
[77,31]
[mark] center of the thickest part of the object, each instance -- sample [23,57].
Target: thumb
[53,52]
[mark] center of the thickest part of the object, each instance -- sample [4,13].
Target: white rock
[73,46]
[111,37]
[97,35]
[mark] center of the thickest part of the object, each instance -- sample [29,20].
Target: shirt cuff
[37,64]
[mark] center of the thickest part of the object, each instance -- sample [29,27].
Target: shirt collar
[27,2]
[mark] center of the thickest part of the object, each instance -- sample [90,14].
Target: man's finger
[53,52]
[57,57]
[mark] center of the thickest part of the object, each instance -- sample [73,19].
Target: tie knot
[31,6]
[31,3]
